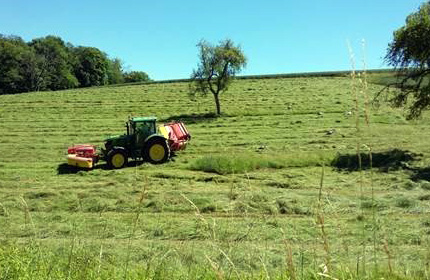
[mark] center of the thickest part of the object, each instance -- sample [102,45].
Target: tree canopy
[409,53]
[48,63]
[53,70]
[15,59]
[115,71]
[91,66]
[217,67]
[135,76]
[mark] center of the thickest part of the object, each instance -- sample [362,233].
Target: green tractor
[144,139]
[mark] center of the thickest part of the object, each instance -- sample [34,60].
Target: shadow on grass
[385,161]
[421,174]
[64,168]
[192,118]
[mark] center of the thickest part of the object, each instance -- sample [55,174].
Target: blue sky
[160,36]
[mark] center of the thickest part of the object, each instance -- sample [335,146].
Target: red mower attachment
[178,135]
[82,155]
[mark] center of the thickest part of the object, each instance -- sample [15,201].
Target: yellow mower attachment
[81,162]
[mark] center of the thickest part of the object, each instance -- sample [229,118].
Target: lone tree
[217,67]
[409,53]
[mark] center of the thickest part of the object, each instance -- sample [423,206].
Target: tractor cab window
[142,130]
[131,128]
[145,128]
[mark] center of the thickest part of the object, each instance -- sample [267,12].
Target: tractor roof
[143,119]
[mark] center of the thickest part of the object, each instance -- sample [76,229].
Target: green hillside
[271,189]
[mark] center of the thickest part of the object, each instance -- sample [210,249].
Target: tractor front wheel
[156,151]
[117,158]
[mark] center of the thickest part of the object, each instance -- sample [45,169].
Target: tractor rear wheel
[117,158]
[156,151]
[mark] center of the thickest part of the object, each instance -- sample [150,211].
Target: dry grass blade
[218,272]
[320,223]
[289,260]
[230,262]
[389,256]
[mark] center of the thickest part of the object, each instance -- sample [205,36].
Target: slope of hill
[282,196]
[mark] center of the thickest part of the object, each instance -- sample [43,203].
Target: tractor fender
[120,148]
[154,136]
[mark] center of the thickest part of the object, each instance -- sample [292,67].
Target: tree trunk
[218,106]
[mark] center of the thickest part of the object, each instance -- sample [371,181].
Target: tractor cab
[143,126]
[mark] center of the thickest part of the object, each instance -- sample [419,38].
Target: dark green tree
[216,70]
[54,69]
[409,53]
[136,76]
[18,65]
[90,66]
[114,71]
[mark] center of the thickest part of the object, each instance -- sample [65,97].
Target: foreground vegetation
[272,189]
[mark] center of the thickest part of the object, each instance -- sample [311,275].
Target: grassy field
[272,189]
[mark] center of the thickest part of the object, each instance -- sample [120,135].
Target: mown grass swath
[253,174]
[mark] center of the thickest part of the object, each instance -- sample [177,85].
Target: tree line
[49,63]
